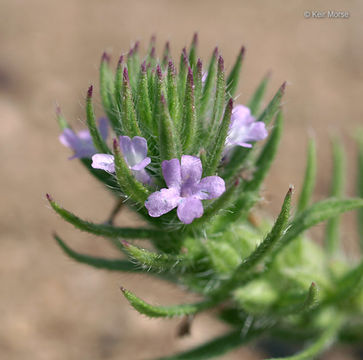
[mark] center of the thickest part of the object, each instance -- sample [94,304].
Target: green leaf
[193,51]
[256,100]
[129,120]
[168,139]
[208,89]
[309,180]
[318,346]
[216,347]
[158,262]
[103,229]
[97,262]
[107,90]
[62,122]
[189,127]
[143,102]
[125,178]
[337,190]
[164,311]
[98,141]
[183,73]
[215,153]
[273,106]
[172,91]
[233,77]
[318,212]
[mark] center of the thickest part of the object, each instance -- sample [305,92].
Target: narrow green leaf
[117,125]
[219,98]
[332,234]
[172,91]
[168,139]
[62,122]
[183,73]
[97,262]
[255,103]
[267,156]
[233,77]
[193,52]
[268,243]
[273,106]
[316,213]
[318,346]
[215,153]
[216,347]
[107,89]
[208,89]
[125,178]
[166,55]
[143,101]
[159,262]
[98,141]
[103,229]
[360,188]
[189,126]
[309,179]
[164,311]
[129,120]
[198,93]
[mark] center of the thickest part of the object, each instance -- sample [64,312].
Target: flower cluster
[185,189]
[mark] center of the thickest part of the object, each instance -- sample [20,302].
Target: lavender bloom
[244,128]
[185,189]
[81,142]
[134,151]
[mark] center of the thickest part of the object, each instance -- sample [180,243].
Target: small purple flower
[81,142]
[134,151]
[185,189]
[244,128]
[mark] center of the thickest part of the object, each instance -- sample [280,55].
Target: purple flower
[134,151]
[244,128]
[185,189]
[81,142]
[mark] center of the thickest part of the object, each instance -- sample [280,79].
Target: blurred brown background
[53,308]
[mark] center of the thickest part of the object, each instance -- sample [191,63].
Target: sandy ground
[52,308]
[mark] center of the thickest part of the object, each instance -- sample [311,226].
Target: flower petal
[172,173]
[163,201]
[189,209]
[104,162]
[69,138]
[125,146]
[143,177]
[210,187]
[191,170]
[103,127]
[142,164]
[242,113]
[134,150]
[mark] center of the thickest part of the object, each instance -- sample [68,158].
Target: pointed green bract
[172,91]
[143,102]
[126,180]
[97,262]
[255,103]
[193,52]
[309,180]
[158,262]
[98,141]
[332,234]
[189,125]
[233,77]
[316,213]
[164,311]
[168,139]
[273,106]
[360,188]
[103,229]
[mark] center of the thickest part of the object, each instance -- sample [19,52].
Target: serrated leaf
[164,311]
[103,229]
[309,179]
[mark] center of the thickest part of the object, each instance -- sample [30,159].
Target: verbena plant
[184,157]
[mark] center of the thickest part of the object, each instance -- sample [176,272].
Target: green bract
[263,277]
